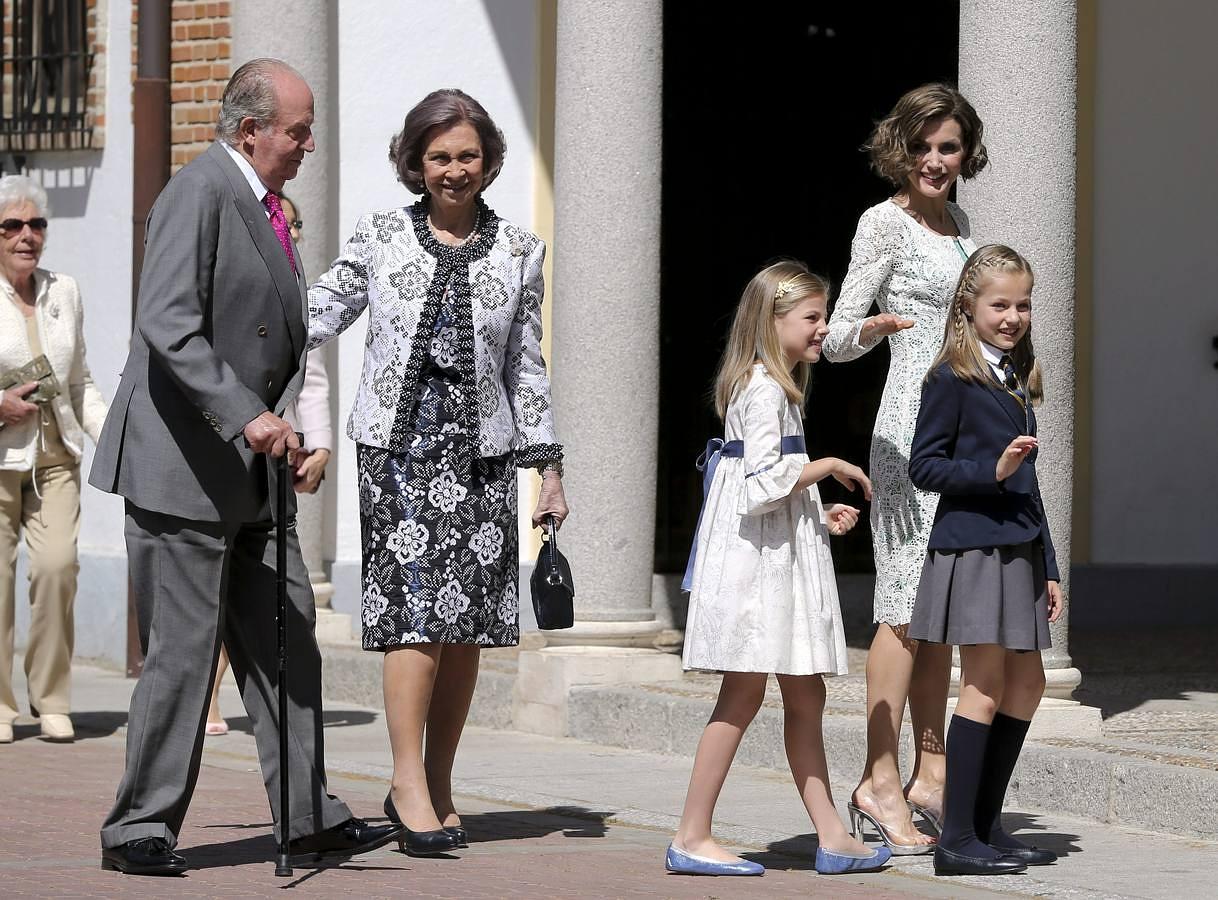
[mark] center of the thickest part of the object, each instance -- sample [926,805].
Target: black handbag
[551,585]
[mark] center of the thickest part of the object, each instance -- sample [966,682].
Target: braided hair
[961,348]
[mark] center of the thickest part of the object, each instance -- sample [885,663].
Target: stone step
[1102,778]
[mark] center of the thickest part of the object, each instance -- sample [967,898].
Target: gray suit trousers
[197,584]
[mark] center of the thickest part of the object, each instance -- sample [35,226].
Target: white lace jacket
[395,267]
[79,407]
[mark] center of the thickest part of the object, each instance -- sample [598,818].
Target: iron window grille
[46,64]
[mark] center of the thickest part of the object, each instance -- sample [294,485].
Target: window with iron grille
[47,60]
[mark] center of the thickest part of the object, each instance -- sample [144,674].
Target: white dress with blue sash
[763,596]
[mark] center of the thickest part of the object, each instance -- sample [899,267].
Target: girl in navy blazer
[990,581]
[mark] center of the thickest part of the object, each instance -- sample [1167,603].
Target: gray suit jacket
[219,338]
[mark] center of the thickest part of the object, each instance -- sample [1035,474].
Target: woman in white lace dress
[906,257]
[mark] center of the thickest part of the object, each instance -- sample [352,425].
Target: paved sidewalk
[548,818]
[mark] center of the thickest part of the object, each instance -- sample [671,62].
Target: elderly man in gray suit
[216,355]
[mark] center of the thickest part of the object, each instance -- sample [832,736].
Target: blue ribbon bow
[716,448]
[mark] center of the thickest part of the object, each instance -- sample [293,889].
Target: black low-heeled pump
[459,832]
[420,843]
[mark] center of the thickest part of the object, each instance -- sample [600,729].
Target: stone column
[1018,66]
[303,40]
[605,335]
[606,297]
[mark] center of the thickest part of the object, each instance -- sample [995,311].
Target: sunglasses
[38,223]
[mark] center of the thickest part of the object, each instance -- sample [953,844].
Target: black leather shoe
[458,832]
[348,838]
[949,863]
[145,856]
[423,843]
[1029,856]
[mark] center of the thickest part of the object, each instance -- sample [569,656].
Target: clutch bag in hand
[37,369]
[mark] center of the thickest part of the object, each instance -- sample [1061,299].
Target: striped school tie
[1010,380]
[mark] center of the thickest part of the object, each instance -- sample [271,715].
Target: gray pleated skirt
[995,595]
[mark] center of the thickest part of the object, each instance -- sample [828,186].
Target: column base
[333,628]
[606,634]
[546,677]
[1059,683]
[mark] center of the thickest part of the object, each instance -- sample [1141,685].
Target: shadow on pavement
[514,825]
[1027,829]
[1122,669]
[330,718]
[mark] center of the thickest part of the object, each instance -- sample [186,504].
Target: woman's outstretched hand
[884,325]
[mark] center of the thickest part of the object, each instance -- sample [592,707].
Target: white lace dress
[763,598]
[908,270]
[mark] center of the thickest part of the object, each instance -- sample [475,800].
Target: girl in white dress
[762,594]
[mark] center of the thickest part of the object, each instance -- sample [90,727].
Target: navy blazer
[962,429]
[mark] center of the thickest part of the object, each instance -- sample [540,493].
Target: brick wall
[201,61]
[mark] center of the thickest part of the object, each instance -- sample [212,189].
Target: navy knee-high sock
[1001,753]
[966,742]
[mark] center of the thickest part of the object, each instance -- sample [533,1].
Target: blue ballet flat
[830,863]
[681,863]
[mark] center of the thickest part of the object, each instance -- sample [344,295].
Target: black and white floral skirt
[441,559]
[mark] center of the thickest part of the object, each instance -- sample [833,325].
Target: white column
[303,39]
[606,297]
[1018,66]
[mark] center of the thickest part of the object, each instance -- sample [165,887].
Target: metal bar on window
[44,101]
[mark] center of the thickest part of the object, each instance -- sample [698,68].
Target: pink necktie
[280,223]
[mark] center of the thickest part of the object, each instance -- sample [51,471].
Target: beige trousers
[50,518]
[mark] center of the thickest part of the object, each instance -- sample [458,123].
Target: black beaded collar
[486,227]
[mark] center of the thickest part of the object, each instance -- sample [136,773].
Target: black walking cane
[283,866]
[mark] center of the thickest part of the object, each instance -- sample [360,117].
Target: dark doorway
[765,108]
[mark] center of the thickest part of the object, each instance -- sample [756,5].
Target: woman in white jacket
[40,449]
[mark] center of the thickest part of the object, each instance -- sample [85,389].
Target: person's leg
[178,570]
[981,686]
[890,664]
[1025,684]
[740,696]
[457,676]
[928,689]
[10,532]
[52,525]
[215,720]
[803,702]
[250,613]
[409,677]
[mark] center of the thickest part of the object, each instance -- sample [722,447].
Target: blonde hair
[961,347]
[772,292]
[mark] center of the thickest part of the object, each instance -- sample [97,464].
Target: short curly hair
[890,141]
[444,109]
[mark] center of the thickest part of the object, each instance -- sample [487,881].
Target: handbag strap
[554,576]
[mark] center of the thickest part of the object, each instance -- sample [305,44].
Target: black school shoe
[348,838]
[949,863]
[1029,856]
[144,856]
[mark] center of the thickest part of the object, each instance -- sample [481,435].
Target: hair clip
[784,288]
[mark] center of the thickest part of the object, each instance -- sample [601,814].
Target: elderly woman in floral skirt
[454,397]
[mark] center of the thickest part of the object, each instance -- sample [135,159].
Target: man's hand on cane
[271,435]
